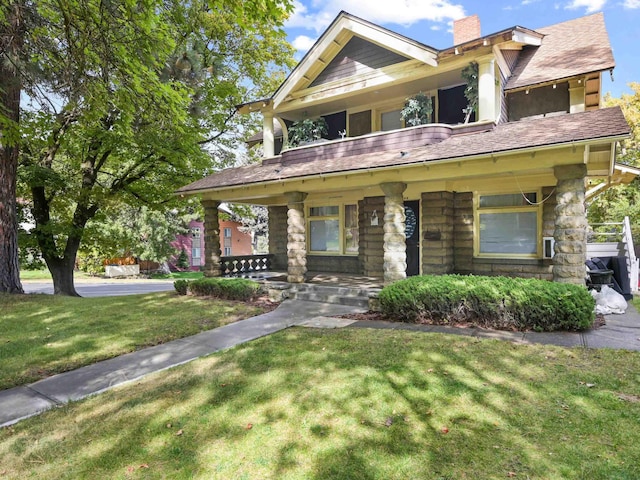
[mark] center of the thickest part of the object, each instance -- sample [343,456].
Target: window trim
[477,211]
[341,227]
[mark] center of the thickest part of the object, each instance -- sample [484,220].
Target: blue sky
[429,21]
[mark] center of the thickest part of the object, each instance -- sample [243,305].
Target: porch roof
[604,124]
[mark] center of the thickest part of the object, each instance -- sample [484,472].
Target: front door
[412,232]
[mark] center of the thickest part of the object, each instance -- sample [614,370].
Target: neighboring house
[233,242]
[502,194]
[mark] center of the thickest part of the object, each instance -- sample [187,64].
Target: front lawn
[352,404]
[44,334]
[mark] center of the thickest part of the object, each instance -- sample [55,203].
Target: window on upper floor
[451,106]
[538,102]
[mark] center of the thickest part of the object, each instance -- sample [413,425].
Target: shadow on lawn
[349,404]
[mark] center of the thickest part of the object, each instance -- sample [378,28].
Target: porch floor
[323,278]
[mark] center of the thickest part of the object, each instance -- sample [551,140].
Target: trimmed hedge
[226,288]
[181,286]
[492,302]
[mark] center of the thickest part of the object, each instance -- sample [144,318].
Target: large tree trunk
[62,275]
[11,43]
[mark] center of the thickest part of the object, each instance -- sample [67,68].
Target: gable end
[358,56]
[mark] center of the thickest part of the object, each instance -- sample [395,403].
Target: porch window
[508,225]
[333,229]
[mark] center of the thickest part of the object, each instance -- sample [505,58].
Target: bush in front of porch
[224,288]
[501,303]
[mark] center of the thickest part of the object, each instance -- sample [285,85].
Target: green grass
[178,275]
[352,404]
[44,334]
[46,275]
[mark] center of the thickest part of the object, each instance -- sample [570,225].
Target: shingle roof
[503,138]
[568,49]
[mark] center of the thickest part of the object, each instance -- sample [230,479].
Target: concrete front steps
[351,296]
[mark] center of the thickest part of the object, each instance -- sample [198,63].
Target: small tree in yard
[183,259]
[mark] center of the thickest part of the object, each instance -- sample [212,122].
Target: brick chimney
[466,29]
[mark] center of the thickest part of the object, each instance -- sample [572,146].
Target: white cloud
[317,15]
[631,4]
[303,43]
[591,6]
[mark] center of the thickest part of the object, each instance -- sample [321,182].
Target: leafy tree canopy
[130,100]
[623,200]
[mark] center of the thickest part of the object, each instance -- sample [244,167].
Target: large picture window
[333,229]
[508,225]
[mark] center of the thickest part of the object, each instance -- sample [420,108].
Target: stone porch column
[570,225]
[296,237]
[395,247]
[212,267]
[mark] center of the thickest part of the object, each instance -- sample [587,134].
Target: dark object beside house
[611,271]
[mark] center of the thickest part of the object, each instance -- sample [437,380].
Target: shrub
[181,286]
[227,288]
[491,302]
[183,259]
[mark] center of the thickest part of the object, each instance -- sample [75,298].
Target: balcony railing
[242,264]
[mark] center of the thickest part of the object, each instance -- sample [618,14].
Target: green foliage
[470,76]
[417,110]
[181,286]
[91,262]
[492,302]
[306,131]
[621,201]
[225,288]
[183,259]
[130,101]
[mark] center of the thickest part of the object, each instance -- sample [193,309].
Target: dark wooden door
[412,232]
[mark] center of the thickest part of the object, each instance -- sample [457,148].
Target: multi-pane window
[196,246]
[227,251]
[333,229]
[227,232]
[508,225]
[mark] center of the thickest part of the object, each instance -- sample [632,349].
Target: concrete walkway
[620,331]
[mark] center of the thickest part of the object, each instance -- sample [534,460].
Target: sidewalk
[620,331]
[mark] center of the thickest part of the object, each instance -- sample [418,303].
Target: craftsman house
[495,187]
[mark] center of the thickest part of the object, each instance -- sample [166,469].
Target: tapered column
[212,267]
[486,89]
[296,237]
[571,225]
[268,140]
[395,244]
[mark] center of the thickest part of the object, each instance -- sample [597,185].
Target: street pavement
[106,288]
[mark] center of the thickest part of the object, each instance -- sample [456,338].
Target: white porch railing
[615,240]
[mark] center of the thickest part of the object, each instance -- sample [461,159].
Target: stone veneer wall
[463,232]
[464,263]
[437,233]
[334,264]
[371,249]
[278,237]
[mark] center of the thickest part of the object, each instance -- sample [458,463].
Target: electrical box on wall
[548,244]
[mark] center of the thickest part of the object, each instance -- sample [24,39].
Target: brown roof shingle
[503,138]
[568,49]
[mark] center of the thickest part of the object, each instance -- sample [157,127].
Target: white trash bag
[609,301]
